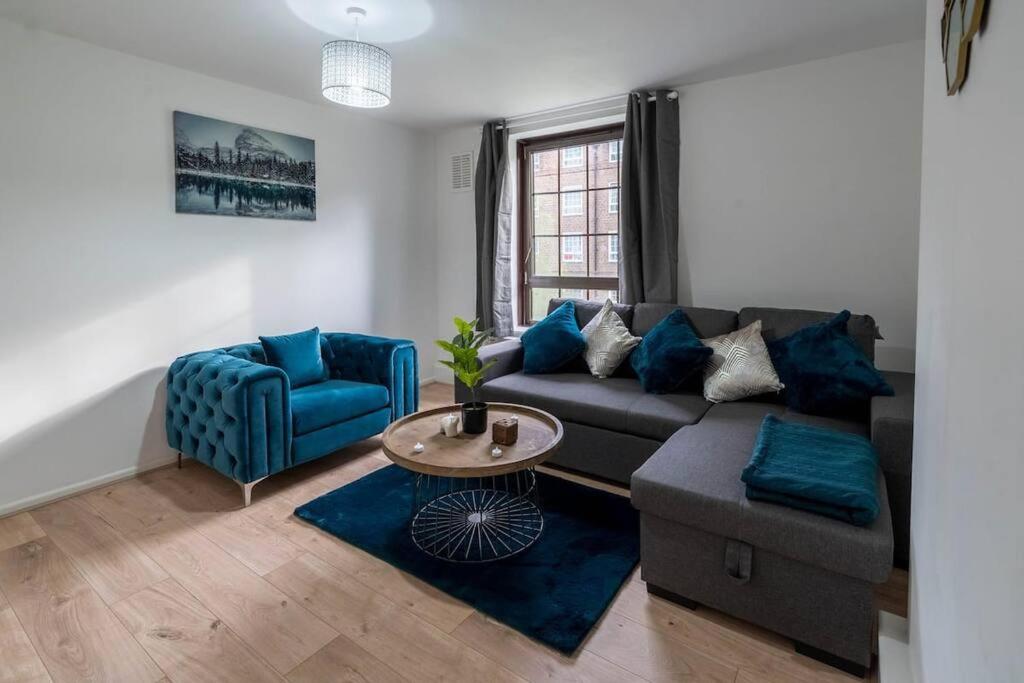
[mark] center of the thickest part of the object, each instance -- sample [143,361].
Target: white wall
[456,237]
[799,187]
[967,550]
[103,284]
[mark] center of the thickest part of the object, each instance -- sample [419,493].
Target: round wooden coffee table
[469,506]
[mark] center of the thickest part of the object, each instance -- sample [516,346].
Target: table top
[469,455]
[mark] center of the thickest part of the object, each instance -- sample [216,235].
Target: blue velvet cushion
[669,354]
[323,404]
[552,342]
[298,354]
[825,371]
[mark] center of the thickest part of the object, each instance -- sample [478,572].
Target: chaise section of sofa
[803,575]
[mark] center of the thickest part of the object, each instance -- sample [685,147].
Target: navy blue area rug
[554,592]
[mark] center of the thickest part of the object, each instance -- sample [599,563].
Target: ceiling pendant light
[355,73]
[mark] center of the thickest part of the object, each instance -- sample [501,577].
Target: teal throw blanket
[815,469]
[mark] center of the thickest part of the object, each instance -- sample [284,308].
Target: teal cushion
[552,342]
[323,404]
[669,354]
[825,371]
[298,354]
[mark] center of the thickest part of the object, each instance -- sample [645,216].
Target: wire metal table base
[477,519]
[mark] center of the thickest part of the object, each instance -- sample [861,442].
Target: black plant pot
[474,418]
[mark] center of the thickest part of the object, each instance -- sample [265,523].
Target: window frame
[617,159]
[525,211]
[616,238]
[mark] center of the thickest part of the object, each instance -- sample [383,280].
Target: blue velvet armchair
[231,411]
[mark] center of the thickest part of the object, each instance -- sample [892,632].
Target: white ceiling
[480,59]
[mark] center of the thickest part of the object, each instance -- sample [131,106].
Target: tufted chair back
[249,352]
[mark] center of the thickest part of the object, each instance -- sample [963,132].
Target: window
[572,202]
[572,249]
[569,241]
[572,157]
[613,198]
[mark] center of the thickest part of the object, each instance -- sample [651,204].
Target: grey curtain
[649,242]
[493,232]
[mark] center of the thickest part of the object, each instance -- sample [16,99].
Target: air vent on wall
[462,172]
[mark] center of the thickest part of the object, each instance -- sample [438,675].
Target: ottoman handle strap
[738,557]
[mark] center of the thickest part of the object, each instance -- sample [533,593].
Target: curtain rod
[581,107]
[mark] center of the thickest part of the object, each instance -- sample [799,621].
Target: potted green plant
[464,348]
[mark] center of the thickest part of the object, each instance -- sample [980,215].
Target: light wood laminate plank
[19,662]
[409,645]
[269,622]
[653,655]
[342,661]
[18,529]
[186,640]
[115,567]
[128,506]
[525,657]
[72,629]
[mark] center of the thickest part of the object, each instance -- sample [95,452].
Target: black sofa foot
[672,597]
[858,670]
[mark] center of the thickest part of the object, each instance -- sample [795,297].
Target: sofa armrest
[892,424]
[229,413]
[378,360]
[508,358]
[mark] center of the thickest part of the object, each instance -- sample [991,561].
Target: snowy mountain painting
[233,170]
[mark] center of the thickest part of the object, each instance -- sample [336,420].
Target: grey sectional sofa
[803,575]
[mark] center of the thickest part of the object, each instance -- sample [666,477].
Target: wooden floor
[164,577]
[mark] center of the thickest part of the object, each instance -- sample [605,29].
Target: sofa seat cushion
[694,479]
[320,405]
[659,416]
[616,404]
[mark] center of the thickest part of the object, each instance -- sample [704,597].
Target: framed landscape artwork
[228,169]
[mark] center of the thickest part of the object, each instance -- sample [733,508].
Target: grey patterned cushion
[740,366]
[609,341]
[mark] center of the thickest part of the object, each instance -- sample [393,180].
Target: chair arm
[508,358]
[892,424]
[229,413]
[378,360]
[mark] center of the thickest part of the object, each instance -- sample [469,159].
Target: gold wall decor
[961,20]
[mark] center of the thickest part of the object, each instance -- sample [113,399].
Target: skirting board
[893,649]
[72,489]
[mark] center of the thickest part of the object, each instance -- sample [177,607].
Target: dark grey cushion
[694,479]
[780,322]
[616,404]
[586,310]
[707,322]
[659,416]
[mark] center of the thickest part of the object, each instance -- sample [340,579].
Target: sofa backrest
[586,310]
[779,322]
[706,322]
[251,352]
